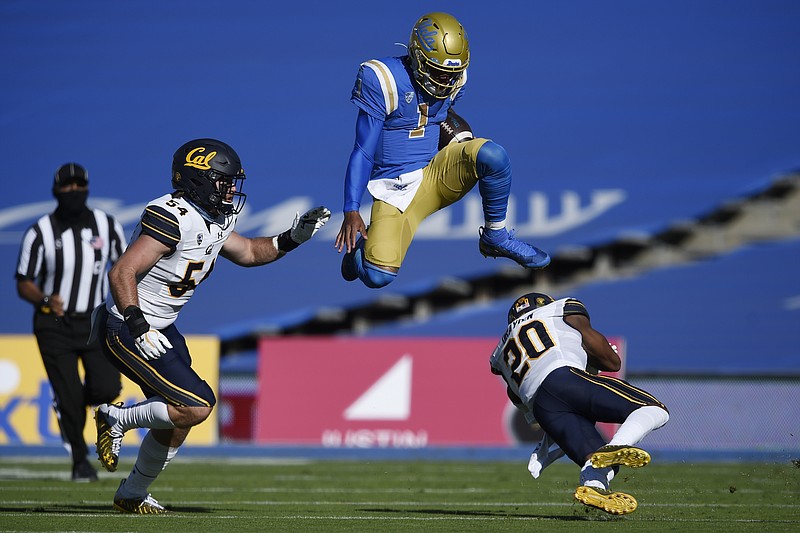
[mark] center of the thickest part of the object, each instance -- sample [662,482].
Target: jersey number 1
[419,131]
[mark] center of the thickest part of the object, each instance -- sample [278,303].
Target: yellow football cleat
[108,442]
[146,505]
[620,455]
[606,500]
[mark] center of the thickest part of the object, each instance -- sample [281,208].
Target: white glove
[152,344]
[304,227]
[545,454]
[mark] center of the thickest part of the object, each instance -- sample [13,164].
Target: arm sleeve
[359,167]
[162,225]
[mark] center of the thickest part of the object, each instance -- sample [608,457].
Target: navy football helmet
[210,175]
[527,303]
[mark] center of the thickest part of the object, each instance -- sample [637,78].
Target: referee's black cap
[70,173]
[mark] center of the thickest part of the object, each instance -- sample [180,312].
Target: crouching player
[542,357]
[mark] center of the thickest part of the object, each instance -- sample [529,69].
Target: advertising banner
[383,393]
[26,401]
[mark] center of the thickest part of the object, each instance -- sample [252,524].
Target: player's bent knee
[491,157]
[186,417]
[656,414]
[375,277]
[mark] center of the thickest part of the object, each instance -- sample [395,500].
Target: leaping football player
[402,101]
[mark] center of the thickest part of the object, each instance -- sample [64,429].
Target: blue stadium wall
[620,118]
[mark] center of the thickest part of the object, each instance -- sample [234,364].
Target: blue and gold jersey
[384,89]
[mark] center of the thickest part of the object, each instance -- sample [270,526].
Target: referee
[62,271]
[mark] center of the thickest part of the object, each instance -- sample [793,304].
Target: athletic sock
[638,425]
[597,478]
[151,413]
[153,458]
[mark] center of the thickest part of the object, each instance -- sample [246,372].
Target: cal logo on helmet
[196,159]
[527,303]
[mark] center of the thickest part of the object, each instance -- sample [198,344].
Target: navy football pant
[570,401]
[171,376]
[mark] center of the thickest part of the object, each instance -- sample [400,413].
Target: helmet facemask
[228,198]
[438,81]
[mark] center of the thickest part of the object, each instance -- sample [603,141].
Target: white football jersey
[537,343]
[166,288]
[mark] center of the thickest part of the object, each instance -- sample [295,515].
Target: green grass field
[296,495]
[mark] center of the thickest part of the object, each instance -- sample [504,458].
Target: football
[454,129]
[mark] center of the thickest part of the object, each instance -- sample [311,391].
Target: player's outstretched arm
[257,251]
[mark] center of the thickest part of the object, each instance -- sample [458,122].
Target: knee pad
[491,158]
[375,277]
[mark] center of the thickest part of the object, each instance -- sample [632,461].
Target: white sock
[152,460]
[638,425]
[597,478]
[151,413]
[495,225]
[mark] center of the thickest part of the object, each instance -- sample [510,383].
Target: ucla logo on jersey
[409,96]
[195,159]
[199,239]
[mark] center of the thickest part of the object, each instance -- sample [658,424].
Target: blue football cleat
[349,270]
[501,243]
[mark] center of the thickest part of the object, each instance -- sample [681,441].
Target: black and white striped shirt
[72,262]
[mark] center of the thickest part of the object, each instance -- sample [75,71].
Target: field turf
[297,495]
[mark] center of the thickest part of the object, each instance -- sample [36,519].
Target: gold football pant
[449,176]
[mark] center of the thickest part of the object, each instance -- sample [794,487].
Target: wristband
[285,241]
[134,319]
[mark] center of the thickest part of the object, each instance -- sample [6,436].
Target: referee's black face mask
[71,204]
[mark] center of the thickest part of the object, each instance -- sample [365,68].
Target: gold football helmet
[439,52]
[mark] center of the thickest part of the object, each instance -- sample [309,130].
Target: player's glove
[152,345]
[545,454]
[149,341]
[303,228]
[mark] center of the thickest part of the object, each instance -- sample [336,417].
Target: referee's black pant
[62,342]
